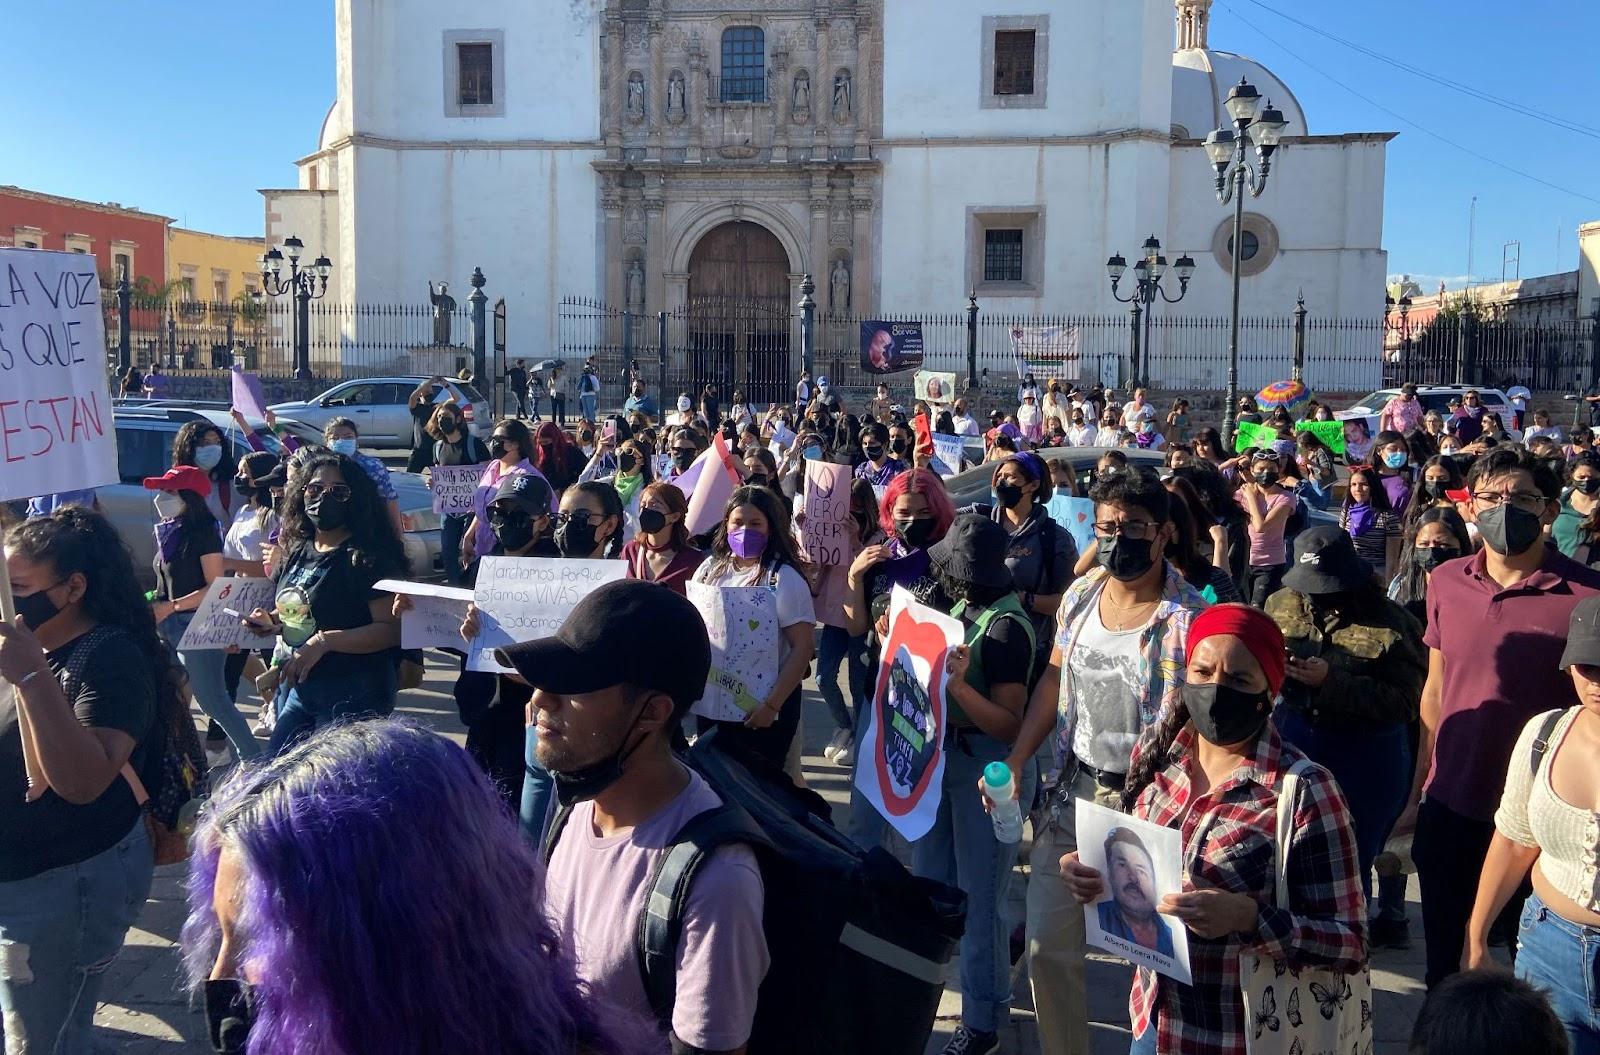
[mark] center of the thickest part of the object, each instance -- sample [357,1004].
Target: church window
[744,65]
[1249,247]
[1013,62]
[1002,255]
[475,77]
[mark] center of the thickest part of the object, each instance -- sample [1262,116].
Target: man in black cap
[987,693]
[1355,673]
[610,691]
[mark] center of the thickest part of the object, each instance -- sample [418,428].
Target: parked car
[378,407]
[1435,398]
[144,448]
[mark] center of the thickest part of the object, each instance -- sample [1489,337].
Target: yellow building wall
[220,266]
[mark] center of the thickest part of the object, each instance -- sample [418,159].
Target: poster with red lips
[902,748]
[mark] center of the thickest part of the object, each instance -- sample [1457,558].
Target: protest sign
[1077,516]
[218,622]
[1329,432]
[933,386]
[436,613]
[1358,438]
[947,454]
[55,407]
[782,435]
[1140,862]
[1045,349]
[454,487]
[742,624]
[1250,436]
[888,347]
[825,533]
[902,746]
[527,598]
[247,397]
[718,475]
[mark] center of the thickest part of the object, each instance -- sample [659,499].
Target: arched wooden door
[739,313]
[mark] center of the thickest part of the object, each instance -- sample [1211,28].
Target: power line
[1465,89]
[1496,162]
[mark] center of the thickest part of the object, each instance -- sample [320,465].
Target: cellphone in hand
[610,431]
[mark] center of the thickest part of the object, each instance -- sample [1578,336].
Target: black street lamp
[307,286]
[1403,361]
[1229,151]
[1148,274]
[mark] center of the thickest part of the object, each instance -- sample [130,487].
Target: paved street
[145,1014]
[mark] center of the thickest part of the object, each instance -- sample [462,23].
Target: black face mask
[1225,715]
[37,608]
[576,540]
[1265,479]
[582,784]
[1509,531]
[914,532]
[1430,557]
[954,590]
[757,480]
[874,452]
[1125,559]
[1589,485]
[497,447]
[1008,495]
[514,530]
[448,425]
[328,513]
[230,1012]
[898,445]
[627,462]
[1435,489]
[651,521]
[682,459]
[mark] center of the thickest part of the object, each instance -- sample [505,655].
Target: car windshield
[1378,398]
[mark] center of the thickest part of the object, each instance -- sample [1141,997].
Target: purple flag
[247,398]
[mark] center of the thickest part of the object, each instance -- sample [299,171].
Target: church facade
[651,153]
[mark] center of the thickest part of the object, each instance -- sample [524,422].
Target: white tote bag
[1310,1012]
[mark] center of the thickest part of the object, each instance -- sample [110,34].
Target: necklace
[1131,620]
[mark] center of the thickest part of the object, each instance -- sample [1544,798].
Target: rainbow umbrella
[1285,394]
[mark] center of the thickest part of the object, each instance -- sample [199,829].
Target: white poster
[526,598]
[947,452]
[454,486]
[56,432]
[436,613]
[742,623]
[1140,863]
[901,753]
[933,386]
[1047,350]
[217,623]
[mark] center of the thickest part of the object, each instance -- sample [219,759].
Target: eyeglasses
[1133,530]
[338,492]
[1527,501]
[577,516]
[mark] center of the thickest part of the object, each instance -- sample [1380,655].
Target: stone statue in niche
[675,95]
[636,96]
[635,289]
[839,287]
[443,306]
[841,96]
[802,93]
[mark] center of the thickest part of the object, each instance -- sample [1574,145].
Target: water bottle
[1005,812]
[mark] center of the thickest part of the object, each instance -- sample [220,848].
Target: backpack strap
[661,923]
[552,834]
[1541,742]
[1288,797]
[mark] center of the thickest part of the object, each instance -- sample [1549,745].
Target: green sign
[1329,432]
[1249,437]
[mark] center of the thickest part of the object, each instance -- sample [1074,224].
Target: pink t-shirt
[595,892]
[1266,548]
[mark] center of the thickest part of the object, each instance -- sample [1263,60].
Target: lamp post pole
[1229,152]
[305,286]
[1148,274]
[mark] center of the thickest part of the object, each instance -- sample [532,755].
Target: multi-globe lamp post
[306,285]
[1147,273]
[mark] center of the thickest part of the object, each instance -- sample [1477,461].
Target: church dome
[1201,81]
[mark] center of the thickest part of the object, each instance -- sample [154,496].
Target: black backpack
[859,947]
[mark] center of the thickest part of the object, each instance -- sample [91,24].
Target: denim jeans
[589,403]
[451,528]
[59,931]
[1563,959]
[866,827]
[1145,1044]
[364,690]
[207,670]
[537,790]
[835,646]
[961,850]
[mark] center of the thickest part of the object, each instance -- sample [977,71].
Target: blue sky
[167,111]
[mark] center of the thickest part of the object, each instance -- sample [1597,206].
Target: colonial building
[647,153]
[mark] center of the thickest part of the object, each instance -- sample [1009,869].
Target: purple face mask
[747,543]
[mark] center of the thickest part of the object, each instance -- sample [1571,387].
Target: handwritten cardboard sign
[947,451]
[218,622]
[454,487]
[742,624]
[825,534]
[527,598]
[55,404]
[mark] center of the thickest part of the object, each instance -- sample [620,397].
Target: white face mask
[168,505]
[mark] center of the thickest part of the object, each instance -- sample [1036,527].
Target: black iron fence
[1558,356]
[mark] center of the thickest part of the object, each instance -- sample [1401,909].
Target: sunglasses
[338,492]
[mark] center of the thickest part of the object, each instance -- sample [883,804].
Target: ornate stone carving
[634,227]
[839,287]
[842,97]
[800,112]
[840,229]
[675,97]
[635,108]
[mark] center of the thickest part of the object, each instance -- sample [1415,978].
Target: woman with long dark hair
[1184,552]
[99,690]
[340,633]
[366,891]
[1371,521]
[754,546]
[1440,476]
[660,552]
[1573,527]
[510,447]
[556,457]
[201,445]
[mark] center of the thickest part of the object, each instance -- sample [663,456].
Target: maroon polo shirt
[1502,649]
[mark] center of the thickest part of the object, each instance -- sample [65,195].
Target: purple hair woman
[367,891]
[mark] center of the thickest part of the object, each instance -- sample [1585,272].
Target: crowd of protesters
[1416,640]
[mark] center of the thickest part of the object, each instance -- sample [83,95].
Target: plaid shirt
[1161,650]
[1228,837]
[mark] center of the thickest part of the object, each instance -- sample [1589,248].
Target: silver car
[378,407]
[144,449]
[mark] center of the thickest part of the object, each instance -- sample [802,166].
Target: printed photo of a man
[1131,878]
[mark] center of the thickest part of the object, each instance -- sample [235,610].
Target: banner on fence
[825,534]
[1329,432]
[527,598]
[55,407]
[454,487]
[435,616]
[934,386]
[902,746]
[218,622]
[1045,349]
[889,347]
[742,624]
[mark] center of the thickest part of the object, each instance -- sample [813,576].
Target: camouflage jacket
[1376,661]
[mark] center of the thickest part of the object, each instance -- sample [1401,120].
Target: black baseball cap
[1325,561]
[626,632]
[1583,635]
[531,493]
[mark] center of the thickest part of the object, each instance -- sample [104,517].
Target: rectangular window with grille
[475,65]
[1002,256]
[744,65]
[1013,62]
